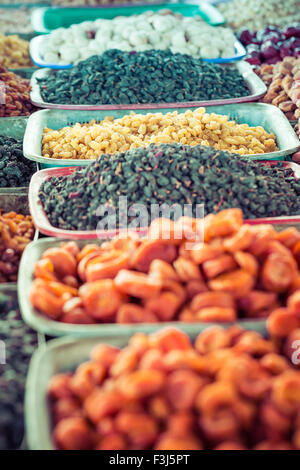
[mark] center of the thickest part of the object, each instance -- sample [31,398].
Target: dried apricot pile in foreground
[239,271]
[232,389]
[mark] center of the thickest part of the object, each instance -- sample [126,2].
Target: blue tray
[37,59]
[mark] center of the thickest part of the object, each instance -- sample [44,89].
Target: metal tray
[50,327]
[45,20]
[14,127]
[254,114]
[34,49]
[44,226]
[256,87]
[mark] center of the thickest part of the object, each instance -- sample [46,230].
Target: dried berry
[170,173]
[155,76]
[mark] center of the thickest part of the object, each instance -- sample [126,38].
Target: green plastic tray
[254,114]
[44,20]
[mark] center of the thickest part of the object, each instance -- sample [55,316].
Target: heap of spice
[238,271]
[170,174]
[20,343]
[89,141]
[16,231]
[15,169]
[230,390]
[14,52]
[14,95]
[155,76]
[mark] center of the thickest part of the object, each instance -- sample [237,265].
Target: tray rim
[45,325]
[257,89]
[33,122]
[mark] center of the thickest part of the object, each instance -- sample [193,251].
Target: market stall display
[169,204]
[155,76]
[15,169]
[20,343]
[14,52]
[257,14]
[143,32]
[228,389]
[14,95]
[12,20]
[271,44]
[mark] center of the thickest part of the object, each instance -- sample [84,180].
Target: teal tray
[45,20]
[254,114]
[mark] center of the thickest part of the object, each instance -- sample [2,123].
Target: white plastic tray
[256,86]
[37,59]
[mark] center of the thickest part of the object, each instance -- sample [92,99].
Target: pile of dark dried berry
[20,343]
[15,169]
[155,76]
[170,174]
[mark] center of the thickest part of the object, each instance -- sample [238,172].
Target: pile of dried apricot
[239,271]
[232,389]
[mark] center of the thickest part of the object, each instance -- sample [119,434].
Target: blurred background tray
[44,20]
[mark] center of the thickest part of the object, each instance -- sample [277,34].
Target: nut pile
[89,141]
[144,77]
[171,174]
[15,20]
[159,30]
[283,80]
[231,389]
[16,231]
[257,14]
[14,52]
[20,343]
[240,271]
[14,95]
[15,169]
